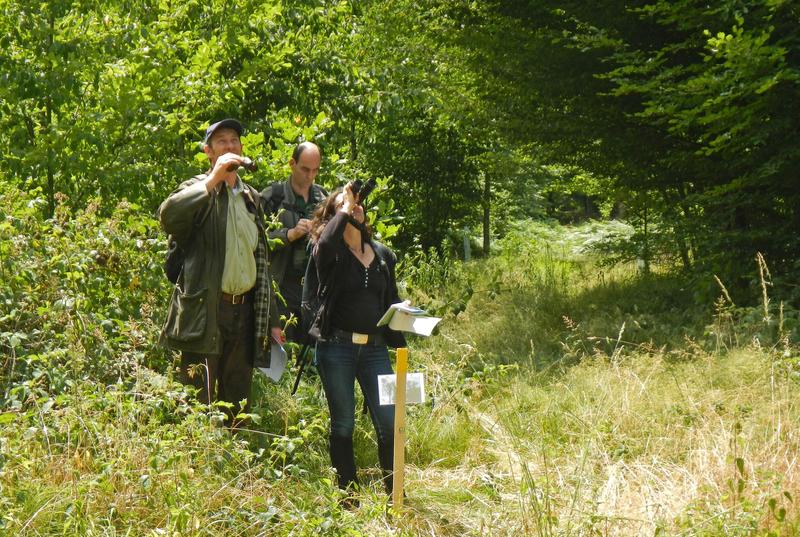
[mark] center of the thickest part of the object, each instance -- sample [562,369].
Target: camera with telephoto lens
[361,190]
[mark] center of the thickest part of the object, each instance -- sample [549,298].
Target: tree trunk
[487,202]
[646,245]
[684,252]
[51,186]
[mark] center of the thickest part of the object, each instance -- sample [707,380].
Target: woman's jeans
[340,364]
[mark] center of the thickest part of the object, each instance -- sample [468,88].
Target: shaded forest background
[678,116]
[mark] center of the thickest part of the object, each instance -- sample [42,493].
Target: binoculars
[246,163]
[361,189]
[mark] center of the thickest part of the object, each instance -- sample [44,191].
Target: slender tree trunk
[487,203]
[675,199]
[646,246]
[684,252]
[684,244]
[51,186]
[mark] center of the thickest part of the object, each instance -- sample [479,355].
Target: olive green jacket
[197,220]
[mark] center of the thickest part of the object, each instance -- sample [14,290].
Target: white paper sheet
[277,358]
[415,388]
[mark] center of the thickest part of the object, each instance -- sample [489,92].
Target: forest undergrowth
[564,398]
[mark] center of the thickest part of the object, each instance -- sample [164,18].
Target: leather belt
[238,299]
[343,336]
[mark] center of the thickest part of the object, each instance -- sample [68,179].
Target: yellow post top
[402,360]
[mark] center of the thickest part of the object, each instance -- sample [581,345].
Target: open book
[405,318]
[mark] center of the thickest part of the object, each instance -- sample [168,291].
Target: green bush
[97,437]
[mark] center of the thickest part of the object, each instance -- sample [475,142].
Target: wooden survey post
[400,428]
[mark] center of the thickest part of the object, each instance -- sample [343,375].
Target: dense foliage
[686,112]
[569,395]
[679,117]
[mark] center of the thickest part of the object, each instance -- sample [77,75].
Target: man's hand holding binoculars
[225,168]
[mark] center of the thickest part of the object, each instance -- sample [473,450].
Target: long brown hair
[327,210]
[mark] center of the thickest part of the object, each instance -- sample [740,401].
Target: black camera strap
[360,226]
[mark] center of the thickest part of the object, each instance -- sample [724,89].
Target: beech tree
[682,113]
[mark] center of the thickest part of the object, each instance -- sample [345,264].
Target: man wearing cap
[294,201]
[222,313]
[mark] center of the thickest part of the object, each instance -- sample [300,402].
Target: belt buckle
[237,299]
[360,339]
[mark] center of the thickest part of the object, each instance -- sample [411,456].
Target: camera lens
[367,189]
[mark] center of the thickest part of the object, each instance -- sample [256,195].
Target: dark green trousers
[228,375]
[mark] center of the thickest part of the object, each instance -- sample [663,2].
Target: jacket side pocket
[187,317]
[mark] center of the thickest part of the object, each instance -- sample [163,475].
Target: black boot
[342,458]
[386,458]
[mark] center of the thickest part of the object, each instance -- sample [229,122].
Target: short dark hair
[298,150]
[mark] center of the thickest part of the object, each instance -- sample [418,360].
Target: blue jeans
[340,364]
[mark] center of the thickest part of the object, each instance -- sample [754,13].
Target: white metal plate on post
[415,388]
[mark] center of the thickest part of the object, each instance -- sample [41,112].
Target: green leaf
[7,417]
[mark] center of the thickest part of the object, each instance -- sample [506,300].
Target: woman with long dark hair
[356,286]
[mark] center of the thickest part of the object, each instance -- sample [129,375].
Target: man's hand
[277,335]
[302,229]
[224,170]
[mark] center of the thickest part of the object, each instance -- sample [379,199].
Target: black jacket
[281,196]
[329,255]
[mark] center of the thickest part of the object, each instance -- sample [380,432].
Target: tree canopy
[680,115]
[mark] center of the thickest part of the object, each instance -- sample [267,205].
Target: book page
[277,363]
[406,318]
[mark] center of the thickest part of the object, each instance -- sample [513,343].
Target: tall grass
[565,399]
[602,403]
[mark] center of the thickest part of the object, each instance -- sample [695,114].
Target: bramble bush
[80,295]
[87,395]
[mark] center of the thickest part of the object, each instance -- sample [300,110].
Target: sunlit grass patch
[641,443]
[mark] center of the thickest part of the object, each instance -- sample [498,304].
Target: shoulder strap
[276,196]
[321,193]
[252,195]
[310,281]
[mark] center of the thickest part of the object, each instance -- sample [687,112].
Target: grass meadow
[596,401]
[564,399]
